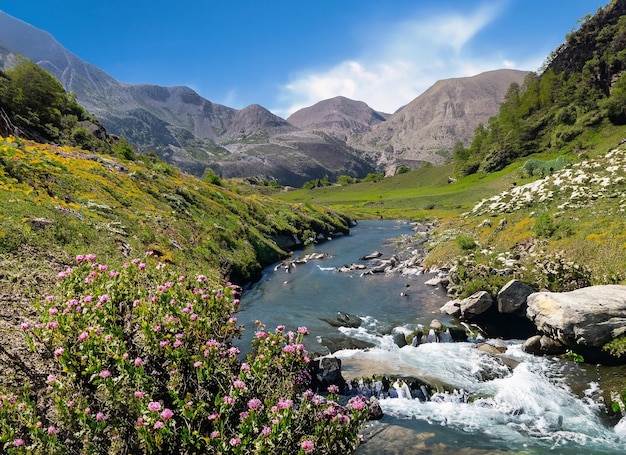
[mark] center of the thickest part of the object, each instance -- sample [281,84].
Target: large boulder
[586,317]
[512,297]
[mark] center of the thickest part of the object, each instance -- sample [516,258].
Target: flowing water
[518,403]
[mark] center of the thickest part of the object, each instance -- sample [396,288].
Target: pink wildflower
[266,431]
[307,446]
[158,425]
[139,394]
[235,441]
[215,434]
[255,404]
[239,384]
[105,374]
[197,364]
[333,388]
[356,403]
[167,414]
[19,442]
[52,430]
[138,362]
[303,330]
[100,417]
[25,325]
[154,406]
[284,403]
[83,336]
[58,352]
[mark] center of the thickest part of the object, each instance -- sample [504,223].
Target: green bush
[465,242]
[144,363]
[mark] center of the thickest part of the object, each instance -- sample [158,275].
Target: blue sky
[288,55]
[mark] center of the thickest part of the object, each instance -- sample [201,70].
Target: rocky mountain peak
[338,113]
[427,128]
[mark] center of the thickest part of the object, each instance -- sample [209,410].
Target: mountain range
[333,137]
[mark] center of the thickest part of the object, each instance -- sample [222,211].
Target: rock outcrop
[582,319]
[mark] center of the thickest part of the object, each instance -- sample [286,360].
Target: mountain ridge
[195,134]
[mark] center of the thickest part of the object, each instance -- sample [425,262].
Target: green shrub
[144,363]
[465,242]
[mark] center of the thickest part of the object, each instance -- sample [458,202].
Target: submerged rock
[344,320]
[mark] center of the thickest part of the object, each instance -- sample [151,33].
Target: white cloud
[401,65]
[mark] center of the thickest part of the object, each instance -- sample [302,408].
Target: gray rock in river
[344,320]
[586,317]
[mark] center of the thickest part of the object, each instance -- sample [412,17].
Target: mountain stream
[508,403]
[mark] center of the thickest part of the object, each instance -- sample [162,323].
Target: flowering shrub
[144,363]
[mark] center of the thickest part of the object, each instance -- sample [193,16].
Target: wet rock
[436,324]
[338,343]
[344,320]
[543,345]
[375,411]
[399,339]
[491,349]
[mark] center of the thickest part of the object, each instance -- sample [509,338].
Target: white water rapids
[530,406]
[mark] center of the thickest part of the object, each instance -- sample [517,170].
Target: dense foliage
[582,88]
[144,363]
[33,104]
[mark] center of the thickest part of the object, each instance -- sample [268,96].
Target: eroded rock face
[586,317]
